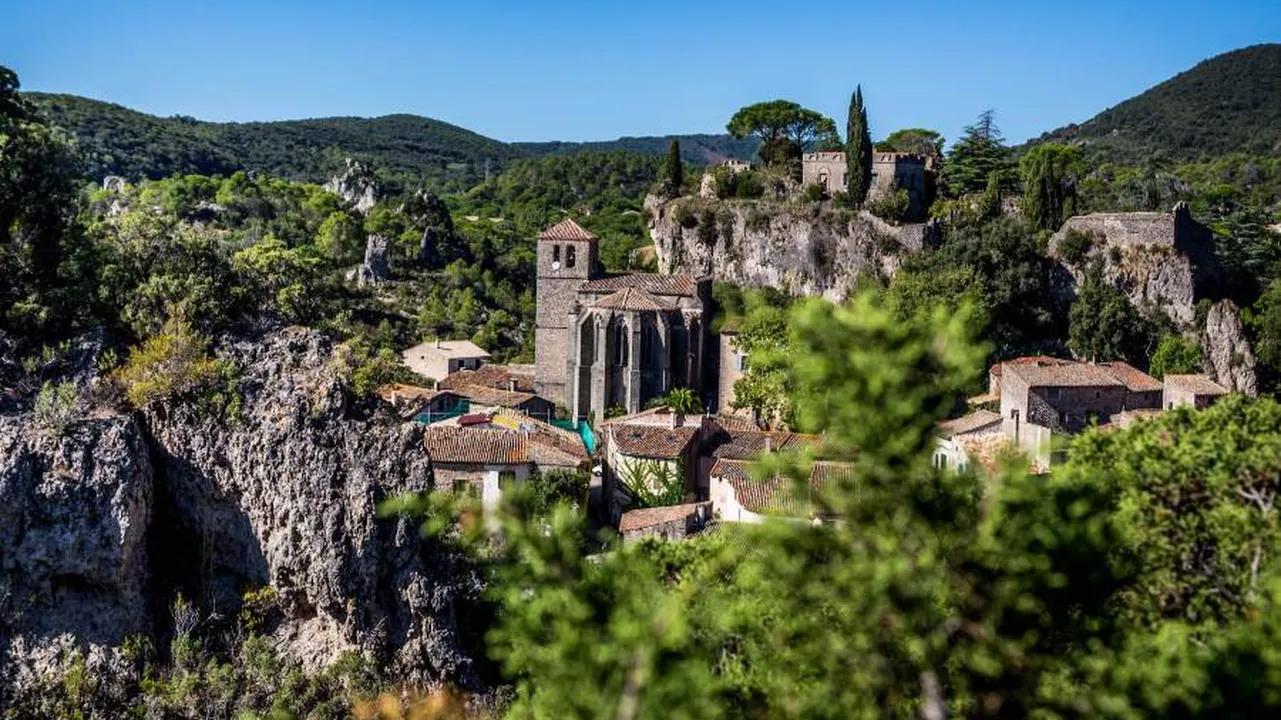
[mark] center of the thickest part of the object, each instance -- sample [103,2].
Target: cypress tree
[858,150]
[674,170]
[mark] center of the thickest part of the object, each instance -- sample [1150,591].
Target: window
[940,461]
[569,256]
[555,253]
[740,363]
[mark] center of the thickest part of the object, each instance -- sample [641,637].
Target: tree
[1102,325]
[918,141]
[1049,173]
[979,153]
[858,150]
[1175,355]
[785,129]
[764,388]
[674,169]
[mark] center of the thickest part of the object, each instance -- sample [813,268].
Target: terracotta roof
[1195,384]
[476,446]
[544,435]
[567,229]
[492,396]
[734,423]
[1134,379]
[657,415]
[447,349]
[492,376]
[777,494]
[631,299]
[997,369]
[967,424]
[1063,374]
[650,517]
[652,441]
[748,444]
[682,285]
[732,326]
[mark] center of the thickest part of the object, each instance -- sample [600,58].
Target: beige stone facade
[731,364]
[890,171]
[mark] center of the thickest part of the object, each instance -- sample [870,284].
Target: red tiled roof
[967,424]
[492,396]
[491,376]
[778,494]
[631,299]
[1064,374]
[735,423]
[652,441]
[1134,379]
[649,517]
[1195,384]
[732,326]
[475,446]
[567,229]
[1028,360]
[652,283]
[748,444]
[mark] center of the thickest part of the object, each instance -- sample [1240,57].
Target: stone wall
[728,373]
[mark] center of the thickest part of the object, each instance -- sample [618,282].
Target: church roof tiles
[567,229]
[631,299]
[652,283]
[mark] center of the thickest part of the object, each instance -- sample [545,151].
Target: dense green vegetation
[407,150]
[1226,104]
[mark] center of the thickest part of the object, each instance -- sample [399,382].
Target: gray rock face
[101,529]
[432,214]
[766,244]
[1230,360]
[357,185]
[1161,260]
[113,183]
[74,512]
[375,268]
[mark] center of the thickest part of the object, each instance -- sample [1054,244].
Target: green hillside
[410,149]
[1229,103]
[698,149]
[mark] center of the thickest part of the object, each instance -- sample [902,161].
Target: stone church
[607,341]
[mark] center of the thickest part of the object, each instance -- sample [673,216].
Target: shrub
[813,193]
[170,364]
[685,216]
[56,406]
[748,185]
[891,206]
[1075,246]
[724,182]
[1175,355]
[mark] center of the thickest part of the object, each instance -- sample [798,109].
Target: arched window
[569,256]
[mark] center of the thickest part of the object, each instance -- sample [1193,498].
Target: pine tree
[674,170]
[980,152]
[858,150]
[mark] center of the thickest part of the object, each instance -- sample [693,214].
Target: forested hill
[115,140]
[698,149]
[1229,103]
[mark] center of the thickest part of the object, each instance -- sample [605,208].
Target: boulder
[1229,359]
[375,268]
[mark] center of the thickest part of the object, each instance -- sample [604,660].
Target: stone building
[1198,391]
[1066,396]
[731,364]
[437,359]
[890,171]
[613,341]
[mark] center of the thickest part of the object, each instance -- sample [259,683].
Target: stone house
[1198,391]
[673,522]
[482,459]
[515,378]
[954,439]
[613,341]
[1068,396]
[890,172]
[654,452]
[483,399]
[411,401]
[436,359]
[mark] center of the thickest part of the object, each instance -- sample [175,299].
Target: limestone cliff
[801,248]
[1159,260]
[1229,359]
[102,527]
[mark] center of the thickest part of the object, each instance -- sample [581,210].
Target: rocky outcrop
[1159,260]
[804,249]
[357,185]
[1229,359]
[376,267]
[101,529]
[432,214]
[74,513]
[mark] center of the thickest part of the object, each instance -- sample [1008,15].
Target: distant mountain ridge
[1228,103]
[116,140]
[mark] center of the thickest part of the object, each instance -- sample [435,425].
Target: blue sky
[579,70]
